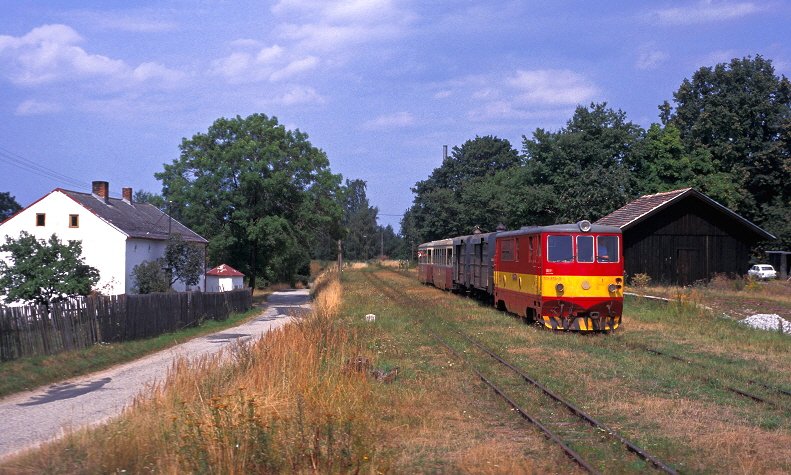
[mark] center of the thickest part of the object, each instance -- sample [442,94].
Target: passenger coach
[435,263]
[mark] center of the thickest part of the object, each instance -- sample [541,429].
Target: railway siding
[661,407]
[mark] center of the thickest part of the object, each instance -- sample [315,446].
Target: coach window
[41,219]
[560,249]
[584,248]
[74,220]
[607,249]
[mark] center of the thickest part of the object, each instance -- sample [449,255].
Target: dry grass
[285,404]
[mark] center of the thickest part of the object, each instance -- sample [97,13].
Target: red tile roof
[646,206]
[224,270]
[641,208]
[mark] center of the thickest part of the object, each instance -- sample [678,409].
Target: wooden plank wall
[687,243]
[80,323]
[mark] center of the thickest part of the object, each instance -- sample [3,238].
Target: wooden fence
[80,323]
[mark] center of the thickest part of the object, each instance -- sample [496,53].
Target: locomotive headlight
[559,287]
[613,287]
[584,225]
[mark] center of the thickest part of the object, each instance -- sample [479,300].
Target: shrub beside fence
[80,323]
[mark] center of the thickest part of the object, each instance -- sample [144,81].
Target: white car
[762,271]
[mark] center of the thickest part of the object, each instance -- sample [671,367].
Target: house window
[41,219]
[74,220]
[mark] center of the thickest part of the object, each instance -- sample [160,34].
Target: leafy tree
[44,271]
[587,164]
[665,165]
[360,221]
[183,261]
[440,207]
[148,277]
[738,113]
[142,196]
[258,192]
[8,206]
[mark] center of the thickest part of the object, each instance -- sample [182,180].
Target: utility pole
[340,256]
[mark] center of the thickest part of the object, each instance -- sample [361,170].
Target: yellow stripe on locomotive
[560,285]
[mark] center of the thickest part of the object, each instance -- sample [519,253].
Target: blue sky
[107,92]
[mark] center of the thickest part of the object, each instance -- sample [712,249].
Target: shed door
[689,266]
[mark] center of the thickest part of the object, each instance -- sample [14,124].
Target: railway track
[593,446]
[755,397]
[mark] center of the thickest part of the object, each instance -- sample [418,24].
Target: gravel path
[33,417]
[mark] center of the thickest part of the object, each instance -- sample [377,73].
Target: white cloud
[399,119]
[147,71]
[301,95]
[651,58]
[269,55]
[49,54]
[295,67]
[234,66]
[551,87]
[705,11]
[36,107]
[335,25]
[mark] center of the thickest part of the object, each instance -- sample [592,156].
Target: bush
[641,280]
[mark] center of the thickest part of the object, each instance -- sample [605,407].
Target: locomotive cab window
[584,248]
[607,249]
[560,249]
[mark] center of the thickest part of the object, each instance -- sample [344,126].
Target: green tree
[587,164]
[183,261]
[8,206]
[148,277]
[44,271]
[258,192]
[360,222]
[440,208]
[738,113]
[158,201]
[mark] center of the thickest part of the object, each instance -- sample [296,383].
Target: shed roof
[136,220]
[224,270]
[648,205]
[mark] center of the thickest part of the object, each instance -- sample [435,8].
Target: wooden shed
[683,236]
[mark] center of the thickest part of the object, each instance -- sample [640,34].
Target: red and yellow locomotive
[567,277]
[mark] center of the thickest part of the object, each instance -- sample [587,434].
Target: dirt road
[29,418]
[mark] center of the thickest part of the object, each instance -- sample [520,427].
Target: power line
[30,166]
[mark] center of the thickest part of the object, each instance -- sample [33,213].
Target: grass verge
[32,372]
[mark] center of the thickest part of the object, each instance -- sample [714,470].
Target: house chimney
[101,190]
[127,194]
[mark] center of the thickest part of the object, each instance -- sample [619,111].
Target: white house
[116,234]
[222,278]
